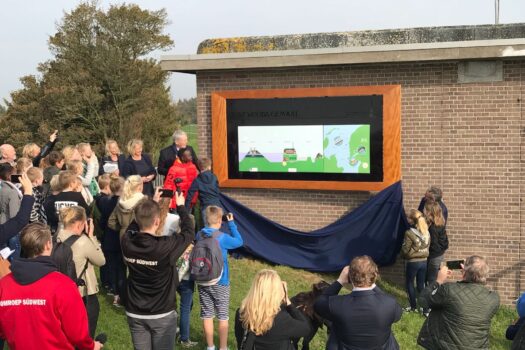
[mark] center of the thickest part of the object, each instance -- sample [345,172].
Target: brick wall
[465,138]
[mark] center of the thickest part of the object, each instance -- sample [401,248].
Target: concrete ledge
[362,38]
[423,52]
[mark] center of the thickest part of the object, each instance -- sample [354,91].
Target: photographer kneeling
[461,312]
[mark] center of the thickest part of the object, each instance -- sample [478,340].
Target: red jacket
[45,311]
[187,172]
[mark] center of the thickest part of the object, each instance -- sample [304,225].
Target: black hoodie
[208,186]
[153,279]
[28,271]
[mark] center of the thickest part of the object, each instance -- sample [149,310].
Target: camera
[177,182]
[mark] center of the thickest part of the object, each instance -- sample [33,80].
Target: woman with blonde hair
[71,154]
[438,239]
[87,253]
[415,251]
[139,163]
[113,160]
[122,215]
[267,320]
[35,153]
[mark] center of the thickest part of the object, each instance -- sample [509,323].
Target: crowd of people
[65,213]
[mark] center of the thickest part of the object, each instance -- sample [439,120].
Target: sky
[25,25]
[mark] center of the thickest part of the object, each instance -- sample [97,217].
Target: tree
[99,84]
[186,111]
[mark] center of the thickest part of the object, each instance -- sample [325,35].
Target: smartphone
[225,217]
[15,178]
[166,193]
[455,264]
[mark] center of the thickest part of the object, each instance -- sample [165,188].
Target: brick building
[462,119]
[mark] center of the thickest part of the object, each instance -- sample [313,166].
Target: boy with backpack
[212,277]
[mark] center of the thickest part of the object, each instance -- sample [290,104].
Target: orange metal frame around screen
[391,137]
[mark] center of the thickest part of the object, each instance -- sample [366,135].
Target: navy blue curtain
[376,228]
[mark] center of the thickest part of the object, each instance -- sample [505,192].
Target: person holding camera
[87,253]
[214,298]
[41,308]
[267,319]
[362,319]
[150,295]
[461,312]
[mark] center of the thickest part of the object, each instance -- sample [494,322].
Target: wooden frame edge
[391,137]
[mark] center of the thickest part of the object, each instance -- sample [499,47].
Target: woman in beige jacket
[86,254]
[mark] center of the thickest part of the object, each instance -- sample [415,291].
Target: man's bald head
[8,153]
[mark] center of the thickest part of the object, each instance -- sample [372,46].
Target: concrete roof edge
[498,48]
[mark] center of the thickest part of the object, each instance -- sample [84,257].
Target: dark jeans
[433,265]
[185,290]
[156,334]
[116,271]
[417,270]
[93,309]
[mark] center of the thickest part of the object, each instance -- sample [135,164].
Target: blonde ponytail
[71,215]
[132,185]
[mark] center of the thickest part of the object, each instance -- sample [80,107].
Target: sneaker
[409,309]
[426,314]
[188,344]
[116,301]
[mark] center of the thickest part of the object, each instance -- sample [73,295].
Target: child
[56,163]
[215,299]
[207,186]
[36,177]
[114,274]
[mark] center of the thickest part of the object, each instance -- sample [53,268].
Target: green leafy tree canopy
[99,84]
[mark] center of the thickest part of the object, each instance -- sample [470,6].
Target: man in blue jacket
[363,318]
[215,299]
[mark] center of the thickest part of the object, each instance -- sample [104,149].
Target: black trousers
[93,309]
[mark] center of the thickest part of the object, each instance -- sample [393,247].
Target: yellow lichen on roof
[233,45]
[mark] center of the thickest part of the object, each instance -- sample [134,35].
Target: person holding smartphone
[87,253]
[461,312]
[267,319]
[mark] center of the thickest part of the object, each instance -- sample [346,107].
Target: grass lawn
[112,320]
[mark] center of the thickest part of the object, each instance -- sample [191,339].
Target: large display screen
[305,149]
[308,138]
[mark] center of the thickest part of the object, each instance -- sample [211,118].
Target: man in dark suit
[363,318]
[169,154]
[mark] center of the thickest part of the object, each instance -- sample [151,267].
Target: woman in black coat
[139,164]
[113,161]
[267,320]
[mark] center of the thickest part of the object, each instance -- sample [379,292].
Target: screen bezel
[391,139]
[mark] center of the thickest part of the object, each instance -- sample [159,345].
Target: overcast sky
[26,25]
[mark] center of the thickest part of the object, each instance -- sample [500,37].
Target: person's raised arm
[48,147]
[235,240]
[14,225]
[297,324]
[322,304]
[90,172]
[435,294]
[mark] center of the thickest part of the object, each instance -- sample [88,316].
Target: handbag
[248,341]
